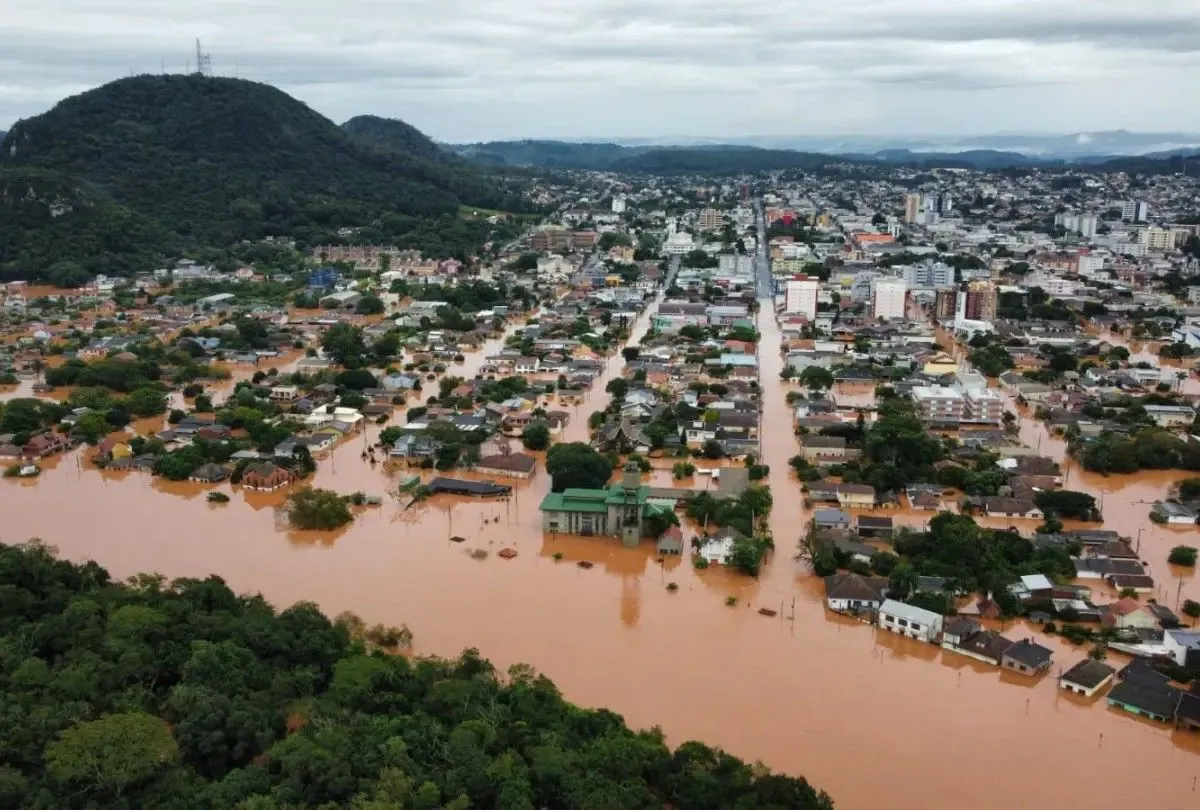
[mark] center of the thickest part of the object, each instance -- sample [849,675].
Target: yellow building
[940,364]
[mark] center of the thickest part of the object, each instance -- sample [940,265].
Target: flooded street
[875,720]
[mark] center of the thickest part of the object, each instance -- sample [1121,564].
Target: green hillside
[207,162]
[183,695]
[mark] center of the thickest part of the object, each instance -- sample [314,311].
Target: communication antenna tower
[203,61]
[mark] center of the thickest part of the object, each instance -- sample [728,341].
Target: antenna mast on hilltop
[203,61]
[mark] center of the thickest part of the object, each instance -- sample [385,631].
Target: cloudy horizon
[630,69]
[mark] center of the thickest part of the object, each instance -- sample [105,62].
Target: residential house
[1128,613]
[507,465]
[1011,508]
[875,526]
[856,496]
[983,645]
[1026,657]
[827,450]
[831,518]
[263,476]
[854,593]
[1183,647]
[209,474]
[957,630]
[907,620]
[670,542]
[1145,693]
[1087,677]
[45,444]
[415,448]
[284,393]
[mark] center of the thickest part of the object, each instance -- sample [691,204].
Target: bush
[1183,555]
[536,436]
[682,469]
[318,509]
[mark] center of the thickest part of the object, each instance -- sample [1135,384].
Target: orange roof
[873,237]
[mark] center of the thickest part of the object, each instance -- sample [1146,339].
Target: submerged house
[619,510]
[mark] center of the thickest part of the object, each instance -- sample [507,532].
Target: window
[902,623]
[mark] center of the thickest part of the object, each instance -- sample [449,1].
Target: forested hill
[211,161]
[396,136]
[415,154]
[184,696]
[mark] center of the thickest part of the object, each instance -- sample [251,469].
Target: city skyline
[535,68]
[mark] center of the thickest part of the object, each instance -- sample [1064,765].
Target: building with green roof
[619,510]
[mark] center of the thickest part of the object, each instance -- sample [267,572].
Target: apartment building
[802,297]
[912,207]
[889,298]
[983,407]
[938,404]
[709,219]
[1158,238]
[929,274]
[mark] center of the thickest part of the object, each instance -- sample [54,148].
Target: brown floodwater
[876,720]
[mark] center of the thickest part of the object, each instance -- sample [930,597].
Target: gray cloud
[465,70]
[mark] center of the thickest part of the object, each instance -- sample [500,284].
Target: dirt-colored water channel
[876,720]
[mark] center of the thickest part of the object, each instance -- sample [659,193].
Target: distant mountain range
[697,157]
[1111,143]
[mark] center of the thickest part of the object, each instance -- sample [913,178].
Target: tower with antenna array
[203,61]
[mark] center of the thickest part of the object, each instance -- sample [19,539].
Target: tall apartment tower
[802,297]
[982,301]
[912,207]
[889,299]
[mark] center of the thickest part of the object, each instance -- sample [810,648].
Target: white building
[678,244]
[907,620]
[802,297]
[1134,211]
[618,204]
[937,275]
[1158,239]
[888,300]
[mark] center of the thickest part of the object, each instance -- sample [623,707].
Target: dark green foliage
[320,509]
[185,695]
[576,465]
[150,166]
[1066,503]
[978,559]
[536,436]
[1183,555]
[1149,448]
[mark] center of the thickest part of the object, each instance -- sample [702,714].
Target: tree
[111,754]
[536,436]
[630,353]
[576,465]
[318,509]
[146,401]
[902,581]
[1183,555]
[92,427]
[816,378]
[1191,609]
[343,342]
[369,305]
[618,387]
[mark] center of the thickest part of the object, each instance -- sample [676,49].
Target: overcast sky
[488,69]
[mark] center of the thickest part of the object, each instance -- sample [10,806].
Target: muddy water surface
[879,722]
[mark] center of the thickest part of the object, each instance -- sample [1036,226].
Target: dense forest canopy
[115,178]
[184,696]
